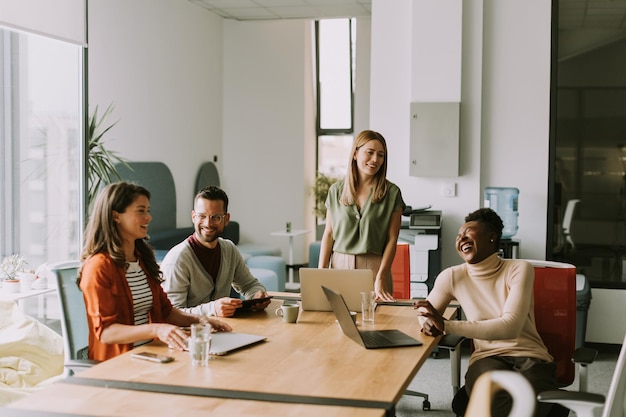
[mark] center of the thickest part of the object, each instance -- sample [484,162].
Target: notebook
[226,342]
[349,282]
[370,339]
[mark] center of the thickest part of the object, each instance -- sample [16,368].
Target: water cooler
[504,201]
[423,234]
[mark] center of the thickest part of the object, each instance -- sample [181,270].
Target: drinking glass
[200,344]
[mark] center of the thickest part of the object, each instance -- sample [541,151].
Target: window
[335,98]
[41,136]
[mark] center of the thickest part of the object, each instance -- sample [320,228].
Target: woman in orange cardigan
[121,280]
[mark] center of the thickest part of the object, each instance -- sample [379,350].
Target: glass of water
[200,344]
[368,306]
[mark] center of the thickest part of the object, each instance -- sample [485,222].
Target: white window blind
[59,19]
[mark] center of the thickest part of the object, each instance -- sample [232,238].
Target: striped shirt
[142,297]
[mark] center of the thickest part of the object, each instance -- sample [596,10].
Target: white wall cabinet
[434,148]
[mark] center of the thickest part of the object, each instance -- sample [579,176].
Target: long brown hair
[348,195]
[101,234]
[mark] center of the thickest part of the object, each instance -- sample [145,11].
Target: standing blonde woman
[121,281]
[363,217]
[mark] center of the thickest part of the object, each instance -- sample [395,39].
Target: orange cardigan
[108,300]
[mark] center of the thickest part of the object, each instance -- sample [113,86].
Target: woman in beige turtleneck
[496,296]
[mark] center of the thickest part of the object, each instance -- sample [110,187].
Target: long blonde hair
[348,195]
[101,235]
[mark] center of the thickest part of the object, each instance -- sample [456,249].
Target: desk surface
[302,364]
[309,358]
[99,401]
[26,294]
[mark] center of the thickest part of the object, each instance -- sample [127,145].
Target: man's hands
[434,323]
[226,306]
[262,305]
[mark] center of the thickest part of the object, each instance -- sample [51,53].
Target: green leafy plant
[100,161]
[320,191]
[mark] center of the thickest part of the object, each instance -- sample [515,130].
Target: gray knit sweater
[189,286]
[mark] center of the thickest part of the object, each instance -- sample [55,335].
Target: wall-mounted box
[434,147]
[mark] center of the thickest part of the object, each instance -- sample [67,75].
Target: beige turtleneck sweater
[496,296]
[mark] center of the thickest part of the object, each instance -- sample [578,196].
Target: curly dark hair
[490,219]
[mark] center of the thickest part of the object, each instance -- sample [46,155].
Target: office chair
[583,403]
[73,317]
[555,319]
[566,228]
[452,343]
[489,383]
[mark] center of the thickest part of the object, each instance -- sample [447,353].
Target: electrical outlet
[449,189]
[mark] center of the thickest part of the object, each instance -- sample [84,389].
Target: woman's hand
[382,294]
[434,323]
[218,326]
[174,336]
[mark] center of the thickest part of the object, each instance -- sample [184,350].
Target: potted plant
[320,192]
[100,161]
[9,271]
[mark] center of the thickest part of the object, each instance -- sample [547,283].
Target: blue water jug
[503,200]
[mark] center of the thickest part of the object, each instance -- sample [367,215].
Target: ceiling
[584,25]
[286,9]
[592,14]
[573,14]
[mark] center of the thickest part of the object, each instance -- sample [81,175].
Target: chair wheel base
[426,405]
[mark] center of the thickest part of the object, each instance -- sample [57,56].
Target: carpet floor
[434,379]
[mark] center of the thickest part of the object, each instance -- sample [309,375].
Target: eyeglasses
[213,218]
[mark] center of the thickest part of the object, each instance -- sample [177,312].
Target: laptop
[370,339]
[226,342]
[349,282]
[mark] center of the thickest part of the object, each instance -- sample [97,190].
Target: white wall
[362,76]
[516,112]
[267,127]
[160,63]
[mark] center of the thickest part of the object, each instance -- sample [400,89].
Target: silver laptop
[370,339]
[349,282]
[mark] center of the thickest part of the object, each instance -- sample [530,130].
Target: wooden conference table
[301,366]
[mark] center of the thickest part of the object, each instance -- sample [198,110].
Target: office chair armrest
[582,403]
[584,355]
[450,341]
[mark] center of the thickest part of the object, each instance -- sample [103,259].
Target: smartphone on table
[152,357]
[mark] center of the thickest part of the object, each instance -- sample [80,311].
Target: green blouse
[359,233]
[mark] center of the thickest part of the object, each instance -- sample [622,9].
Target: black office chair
[73,317]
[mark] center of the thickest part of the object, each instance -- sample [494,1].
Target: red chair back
[555,313]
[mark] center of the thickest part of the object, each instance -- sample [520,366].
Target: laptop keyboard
[374,338]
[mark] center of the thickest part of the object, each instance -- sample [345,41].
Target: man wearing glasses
[200,271]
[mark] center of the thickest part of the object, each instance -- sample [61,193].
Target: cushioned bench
[276,264]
